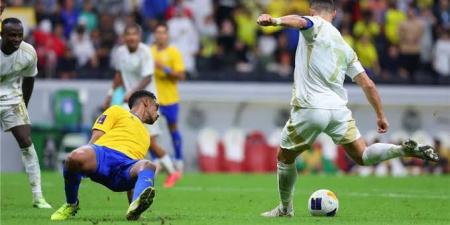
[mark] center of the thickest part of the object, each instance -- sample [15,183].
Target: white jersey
[135,66]
[322,60]
[13,67]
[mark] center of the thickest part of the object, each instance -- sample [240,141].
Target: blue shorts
[113,169]
[170,112]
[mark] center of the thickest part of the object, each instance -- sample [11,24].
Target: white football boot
[279,211]
[426,152]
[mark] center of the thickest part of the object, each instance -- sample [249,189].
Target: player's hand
[159,65]
[383,125]
[265,20]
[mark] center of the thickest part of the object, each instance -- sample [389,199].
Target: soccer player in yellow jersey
[114,157]
[169,70]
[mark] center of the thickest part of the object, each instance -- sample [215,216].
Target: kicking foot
[65,212]
[279,211]
[172,179]
[40,203]
[142,203]
[425,152]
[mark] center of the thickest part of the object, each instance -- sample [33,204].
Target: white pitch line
[357,194]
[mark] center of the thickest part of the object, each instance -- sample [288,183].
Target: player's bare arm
[374,99]
[96,134]
[293,21]
[27,89]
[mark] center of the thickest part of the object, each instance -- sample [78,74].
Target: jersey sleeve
[106,121]
[178,63]
[148,65]
[310,31]
[31,70]
[354,68]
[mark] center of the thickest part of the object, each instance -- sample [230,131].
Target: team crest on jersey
[101,119]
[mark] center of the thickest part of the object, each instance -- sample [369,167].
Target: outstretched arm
[293,21]
[370,90]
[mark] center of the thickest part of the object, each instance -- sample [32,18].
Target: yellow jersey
[166,87]
[124,132]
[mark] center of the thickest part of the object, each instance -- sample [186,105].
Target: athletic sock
[31,164]
[145,179]
[71,184]
[179,164]
[379,152]
[177,142]
[167,163]
[287,175]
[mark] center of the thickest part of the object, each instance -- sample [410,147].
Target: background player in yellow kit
[169,70]
[114,156]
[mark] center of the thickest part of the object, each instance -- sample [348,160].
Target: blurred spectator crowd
[397,41]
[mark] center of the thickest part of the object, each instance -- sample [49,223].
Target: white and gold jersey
[13,67]
[322,60]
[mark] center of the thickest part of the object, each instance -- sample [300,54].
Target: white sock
[31,164]
[179,164]
[167,163]
[287,175]
[379,152]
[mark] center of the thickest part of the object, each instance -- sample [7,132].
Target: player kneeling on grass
[114,157]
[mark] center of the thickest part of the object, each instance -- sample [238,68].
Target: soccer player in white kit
[134,69]
[18,67]
[319,101]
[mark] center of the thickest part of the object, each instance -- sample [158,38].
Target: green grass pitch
[239,199]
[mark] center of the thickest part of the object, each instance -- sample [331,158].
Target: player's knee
[74,160]
[146,164]
[173,127]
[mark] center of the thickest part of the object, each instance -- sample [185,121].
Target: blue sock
[176,141]
[145,179]
[71,184]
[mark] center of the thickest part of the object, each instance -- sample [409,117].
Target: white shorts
[304,125]
[154,129]
[13,116]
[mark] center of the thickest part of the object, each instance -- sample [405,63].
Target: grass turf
[239,199]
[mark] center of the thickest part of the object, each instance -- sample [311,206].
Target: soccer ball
[323,203]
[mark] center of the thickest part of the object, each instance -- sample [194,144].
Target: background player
[319,101]
[18,67]
[115,156]
[134,69]
[169,70]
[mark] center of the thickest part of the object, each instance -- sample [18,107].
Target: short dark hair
[161,24]
[138,95]
[133,26]
[326,5]
[11,20]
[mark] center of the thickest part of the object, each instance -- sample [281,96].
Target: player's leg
[379,152]
[15,118]
[297,136]
[82,160]
[143,172]
[343,131]
[161,154]
[164,159]
[171,114]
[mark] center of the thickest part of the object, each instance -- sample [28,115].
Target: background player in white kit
[134,69]
[18,67]
[319,101]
